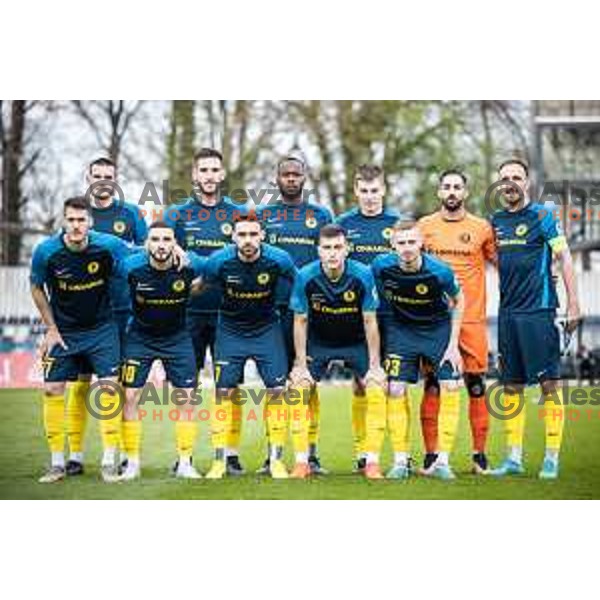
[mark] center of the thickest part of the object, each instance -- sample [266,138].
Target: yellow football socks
[76,415]
[359,423]
[314,405]
[54,422]
[515,424]
[398,422]
[554,420]
[110,416]
[300,426]
[185,435]
[375,421]
[132,439]
[448,419]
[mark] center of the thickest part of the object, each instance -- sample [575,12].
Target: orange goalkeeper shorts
[473,345]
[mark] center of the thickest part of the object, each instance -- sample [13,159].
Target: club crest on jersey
[93,267]
[263,278]
[349,296]
[227,229]
[422,289]
[387,233]
[311,222]
[521,230]
[465,238]
[119,227]
[178,285]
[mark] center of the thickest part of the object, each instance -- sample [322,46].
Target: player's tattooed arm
[565,261]
[52,337]
[375,374]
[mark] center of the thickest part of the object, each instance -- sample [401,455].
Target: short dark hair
[290,158]
[103,161]
[247,217]
[207,153]
[515,161]
[368,172]
[405,224]
[453,171]
[331,230]
[77,202]
[161,225]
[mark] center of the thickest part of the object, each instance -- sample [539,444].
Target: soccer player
[125,221]
[427,306]
[335,303]
[369,231]
[292,223]
[159,294]
[247,274]
[466,243]
[528,236]
[71,274]
[204,224]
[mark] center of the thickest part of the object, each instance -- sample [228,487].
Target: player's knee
[358,387]
[55,388]
[397,389]
[431,384]
[513,388]
[548,386]
[475,384]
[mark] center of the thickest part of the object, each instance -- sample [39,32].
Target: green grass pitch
[24,455]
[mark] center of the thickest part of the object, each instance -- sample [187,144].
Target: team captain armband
[558,244]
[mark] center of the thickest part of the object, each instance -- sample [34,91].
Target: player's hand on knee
[376,376]
[301,377]
[53,338]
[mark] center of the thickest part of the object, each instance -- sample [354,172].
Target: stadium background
[46,146]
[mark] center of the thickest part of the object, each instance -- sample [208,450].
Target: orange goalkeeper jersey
[465,245]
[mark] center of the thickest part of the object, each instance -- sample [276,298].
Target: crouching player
[157,331]
[426,311]
[335,303]
[71,273]
[248,327]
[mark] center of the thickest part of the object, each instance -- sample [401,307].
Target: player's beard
[162,258]
[291,193]
[201,190]
[453,204]
[248,251]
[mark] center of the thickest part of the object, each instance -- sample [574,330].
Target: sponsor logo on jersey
[119,227]
[263,278]
[521,230]
[178,285]
[93,267]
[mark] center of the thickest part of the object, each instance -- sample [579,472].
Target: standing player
[369,230]
[123,220]
[293,224]
[70,277]
[159,294]
[466,243]
[247,274]
[203,225]
[427,306]
[528,237]
[335,303]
